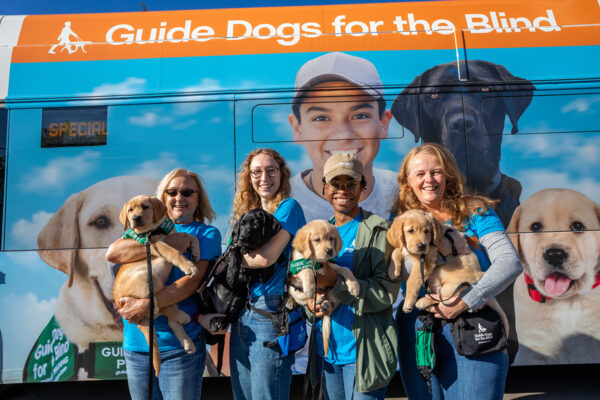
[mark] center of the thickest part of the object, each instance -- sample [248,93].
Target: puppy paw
[326,307]
[392,273]
[407,309]
[422,304]
[353,287]
[183,318]
[218,324]
[189,346]
[193,271]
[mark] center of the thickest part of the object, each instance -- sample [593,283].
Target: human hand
[179,240]
[452,308]
[311,306]
[133,309]
[205,319]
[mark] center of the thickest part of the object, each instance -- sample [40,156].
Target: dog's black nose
[329,252]
[137,218]
[555,256]
[422,246]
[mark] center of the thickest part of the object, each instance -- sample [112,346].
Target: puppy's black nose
[555,256]
[137,219]
[422,246]
[329,252]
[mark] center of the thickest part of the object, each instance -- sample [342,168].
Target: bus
[96,108]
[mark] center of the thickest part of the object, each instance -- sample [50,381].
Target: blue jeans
[339,383]
[258,372]
[180,376]
[454,376]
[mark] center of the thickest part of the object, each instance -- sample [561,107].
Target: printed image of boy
[339,107]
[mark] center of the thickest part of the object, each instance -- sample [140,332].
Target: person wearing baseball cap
[363,342]
[338,106]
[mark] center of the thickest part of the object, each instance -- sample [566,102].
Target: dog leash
[151,322]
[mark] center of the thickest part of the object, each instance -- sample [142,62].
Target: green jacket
[374,327]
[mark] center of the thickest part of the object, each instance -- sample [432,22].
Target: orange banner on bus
[387,26]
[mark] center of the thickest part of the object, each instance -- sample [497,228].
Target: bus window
[3,130]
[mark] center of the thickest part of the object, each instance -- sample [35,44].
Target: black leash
[151,322]
[312,352]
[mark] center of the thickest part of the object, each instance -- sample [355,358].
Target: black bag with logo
[478,333]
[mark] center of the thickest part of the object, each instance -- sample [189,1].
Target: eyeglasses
[348,187]
[257,173]
[184,192]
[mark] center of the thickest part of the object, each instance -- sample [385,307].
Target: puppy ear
[301,242]
[62,232]
[159,209]
[520,97]
[338,240]
[123,216]
[513,230]
[395,235]
[438,231]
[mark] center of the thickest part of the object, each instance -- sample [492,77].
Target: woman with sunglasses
[363,343]
[258,368]
[181,373]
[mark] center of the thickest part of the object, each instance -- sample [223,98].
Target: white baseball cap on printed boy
[338,66]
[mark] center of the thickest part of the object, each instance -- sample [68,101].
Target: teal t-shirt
[291,217]
[342,344]
[210,246]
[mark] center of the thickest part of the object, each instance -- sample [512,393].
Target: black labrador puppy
[469,121]
[226,292]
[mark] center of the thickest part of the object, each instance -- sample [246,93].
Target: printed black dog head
[470,119]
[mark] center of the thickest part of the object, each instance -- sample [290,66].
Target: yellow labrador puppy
[557,300]
[417,233]
[314,245]
[144,214]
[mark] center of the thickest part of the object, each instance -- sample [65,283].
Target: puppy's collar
[302,264]
[539,297]
[165,227]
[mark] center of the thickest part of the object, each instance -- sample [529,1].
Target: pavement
[561,382]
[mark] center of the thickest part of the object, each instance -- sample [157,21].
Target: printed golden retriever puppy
[74,241]
[417,235]
[145,215]
[557,235]
[315,244]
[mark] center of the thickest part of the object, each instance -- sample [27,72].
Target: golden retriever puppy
[417,234]
[315,244]
[145,214]
[557,302]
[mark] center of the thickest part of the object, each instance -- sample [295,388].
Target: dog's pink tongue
[556,284]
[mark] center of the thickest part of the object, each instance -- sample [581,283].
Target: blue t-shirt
[291,217]
[210,246]
[342,344]
[478,226]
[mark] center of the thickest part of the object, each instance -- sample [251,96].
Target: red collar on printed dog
[540,298]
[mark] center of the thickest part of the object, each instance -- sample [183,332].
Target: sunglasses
[184,192]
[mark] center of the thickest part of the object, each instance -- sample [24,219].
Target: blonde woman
[429,179]
[181,373]
[258,368]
